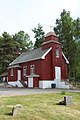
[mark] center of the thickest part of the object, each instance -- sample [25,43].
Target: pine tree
[39,36]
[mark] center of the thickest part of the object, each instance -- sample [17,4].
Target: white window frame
[24,70]
[12,71]
[32,69]
[57,53]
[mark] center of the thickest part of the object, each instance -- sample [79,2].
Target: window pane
[57,53]
[32,69]
[12,72]
[24,70]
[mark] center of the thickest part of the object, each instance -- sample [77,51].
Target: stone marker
[16,110]
[68,100]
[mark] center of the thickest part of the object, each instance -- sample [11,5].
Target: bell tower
[51,39]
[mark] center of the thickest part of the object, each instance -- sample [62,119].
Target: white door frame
[30,82]
[19,75]
[58,73]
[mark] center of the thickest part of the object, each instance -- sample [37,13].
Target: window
[12,72]
[32,67]
[24,70]
[57,53]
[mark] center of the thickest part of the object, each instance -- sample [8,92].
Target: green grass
[41,107]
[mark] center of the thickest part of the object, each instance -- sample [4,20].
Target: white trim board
[43,57]
[65,58]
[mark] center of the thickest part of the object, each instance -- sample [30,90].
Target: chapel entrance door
[58,73]
[30,82]
[19,75]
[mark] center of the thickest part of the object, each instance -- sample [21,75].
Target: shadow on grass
[61,103]
[9,114]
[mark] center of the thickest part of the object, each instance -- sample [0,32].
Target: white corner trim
[43,57]
[65,58]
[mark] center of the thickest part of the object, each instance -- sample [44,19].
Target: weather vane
[51,28]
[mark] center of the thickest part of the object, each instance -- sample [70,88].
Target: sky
[16,15]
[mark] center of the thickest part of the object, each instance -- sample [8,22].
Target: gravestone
[16,110]
[68,100]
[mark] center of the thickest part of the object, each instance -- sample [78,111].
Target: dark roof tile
[29,56]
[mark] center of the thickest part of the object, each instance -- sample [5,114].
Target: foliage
[76,24]
[7,48]
[39,35]
[12,46]
[64,30]
[23,40]
[68,31]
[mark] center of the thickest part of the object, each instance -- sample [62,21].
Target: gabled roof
[31,55]
[14,66]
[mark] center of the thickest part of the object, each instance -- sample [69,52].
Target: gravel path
[26,91]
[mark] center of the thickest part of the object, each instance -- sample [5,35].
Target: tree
[39,36]
[7,50]
[65,31]
[11,46]
[76,24]
[23,41]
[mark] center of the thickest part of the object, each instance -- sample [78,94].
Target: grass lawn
[41,107]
